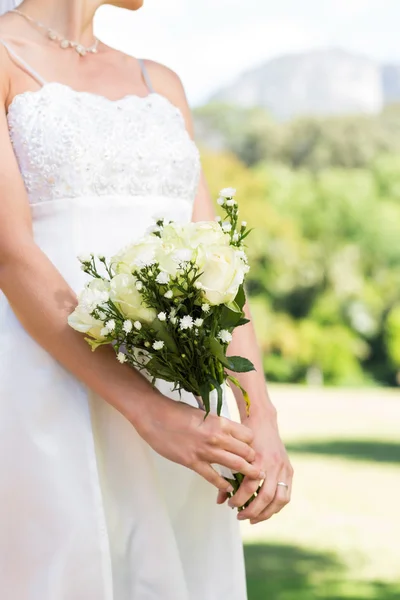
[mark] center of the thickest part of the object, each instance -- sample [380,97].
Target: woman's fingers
[238,431]
[282,497]
[222,497]
[267,496]
[231,444]
[264,497]
[247,489]
[235,463]
[211,475]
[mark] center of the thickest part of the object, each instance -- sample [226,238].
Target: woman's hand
[272,459]
[181,433]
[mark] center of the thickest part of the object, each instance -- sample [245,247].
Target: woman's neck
[71,18]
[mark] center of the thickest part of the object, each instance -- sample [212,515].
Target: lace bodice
[71,144]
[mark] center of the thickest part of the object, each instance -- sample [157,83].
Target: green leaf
[242,321]
[234,307]
[239,364]
[94,344]
[218,387]
[247,233]
[219,352]
[245,394]
[240,299]
[205,395]
[230,318]
[158,370]
[163,334]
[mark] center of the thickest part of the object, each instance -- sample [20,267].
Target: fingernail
[230,503]
[230,490]
[262,475]
[241,517]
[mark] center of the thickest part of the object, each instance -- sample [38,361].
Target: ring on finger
[283,484]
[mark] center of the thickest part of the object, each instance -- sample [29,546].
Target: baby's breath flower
[158,345]
[235,237]
[121,357]
[228,192]
[101,257]
[186,322]
[226,227]
[218,219]
[225,336]
[230,202]
[244,223]
[127,326]
[173,320]
[162,278]
[198,285]
[162,316]
[110,325]
[102,315]
[242,255]
[137,325]
[104,332]
[221,201]
[85,258]
[139,285]
[168,294]
[199,322]
[205,307]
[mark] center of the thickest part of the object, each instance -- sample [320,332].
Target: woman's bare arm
[271,455]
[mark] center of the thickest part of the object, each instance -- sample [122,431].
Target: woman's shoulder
[167,82]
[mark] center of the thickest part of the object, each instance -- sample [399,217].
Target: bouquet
[168,304]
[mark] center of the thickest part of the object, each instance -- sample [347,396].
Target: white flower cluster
[205,244]
[162,291]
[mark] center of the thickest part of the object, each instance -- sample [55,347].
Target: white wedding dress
[87,510]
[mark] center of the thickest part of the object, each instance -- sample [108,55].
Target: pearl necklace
[56,37]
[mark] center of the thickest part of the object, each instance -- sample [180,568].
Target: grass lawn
[339,539]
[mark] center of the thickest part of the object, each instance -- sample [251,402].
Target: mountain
[321,82]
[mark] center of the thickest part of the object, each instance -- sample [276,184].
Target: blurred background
[297,105]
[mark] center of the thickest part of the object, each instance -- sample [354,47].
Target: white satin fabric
[88,510]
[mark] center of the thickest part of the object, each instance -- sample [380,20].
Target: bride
[106,484]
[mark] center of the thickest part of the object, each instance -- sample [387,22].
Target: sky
[210,42]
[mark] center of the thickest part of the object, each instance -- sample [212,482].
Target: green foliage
[307,142]
[325,266]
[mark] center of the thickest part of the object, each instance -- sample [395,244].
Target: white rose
[180,242]
[94,294]
[192,235]
[223,273]
[207,233]
[175,234]
[175,248]
[136,256]
[129,300]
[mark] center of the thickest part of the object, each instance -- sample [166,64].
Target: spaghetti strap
[22,63]
[146,76]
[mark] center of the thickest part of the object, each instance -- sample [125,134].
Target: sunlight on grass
[338,539]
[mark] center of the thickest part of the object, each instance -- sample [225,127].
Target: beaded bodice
[70,144]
